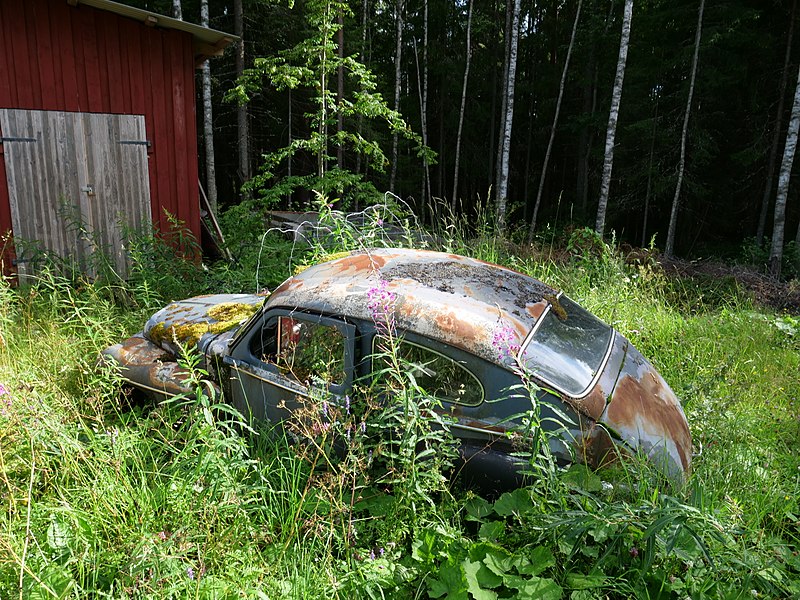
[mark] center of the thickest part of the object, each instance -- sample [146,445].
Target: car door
[289,359]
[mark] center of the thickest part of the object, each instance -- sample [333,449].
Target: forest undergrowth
[104,496]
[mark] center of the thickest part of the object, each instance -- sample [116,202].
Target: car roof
[460,301]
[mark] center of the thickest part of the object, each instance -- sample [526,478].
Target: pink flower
[380,301]
[505,342]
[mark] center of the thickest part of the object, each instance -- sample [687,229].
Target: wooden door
[77,183]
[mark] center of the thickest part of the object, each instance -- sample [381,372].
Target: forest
[414,97]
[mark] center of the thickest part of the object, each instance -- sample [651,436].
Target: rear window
[568,348]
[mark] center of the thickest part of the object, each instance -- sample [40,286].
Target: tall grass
[105,497]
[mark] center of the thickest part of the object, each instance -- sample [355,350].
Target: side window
[440,376]
[306,351]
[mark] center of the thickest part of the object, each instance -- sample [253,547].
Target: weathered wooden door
[77,182]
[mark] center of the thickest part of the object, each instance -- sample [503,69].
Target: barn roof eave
[207,42]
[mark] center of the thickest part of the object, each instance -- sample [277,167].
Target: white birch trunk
[398,53]
[177,11]
[776,134]
[611,131]
[422,88]
[502,178]
[454,197]
[555,122]
[673,217]
[779,222]
[208,122]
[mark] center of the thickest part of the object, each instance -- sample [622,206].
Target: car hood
[186,322]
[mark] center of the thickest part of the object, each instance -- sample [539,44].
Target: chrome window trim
[598,372]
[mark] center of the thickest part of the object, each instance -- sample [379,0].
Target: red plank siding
[80,59]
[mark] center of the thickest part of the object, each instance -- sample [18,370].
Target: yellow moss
[232,312]
[335,256]
[225,317]
[558,310]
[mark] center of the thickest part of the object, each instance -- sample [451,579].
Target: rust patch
[595,448]
[646,404]
[591,405]
[450,324]
[536,309]
[290,284]
[139,351]
[360,262]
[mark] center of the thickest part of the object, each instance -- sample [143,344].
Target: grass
[101,497]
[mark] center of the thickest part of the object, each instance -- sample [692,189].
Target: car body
[467,328]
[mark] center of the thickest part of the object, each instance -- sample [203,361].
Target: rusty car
[468,328]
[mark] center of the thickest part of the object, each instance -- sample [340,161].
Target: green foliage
[107,497]
[311,66]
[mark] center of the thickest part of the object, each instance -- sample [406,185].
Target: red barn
[97,125]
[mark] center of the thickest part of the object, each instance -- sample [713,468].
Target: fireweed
[421,446]
[533,439]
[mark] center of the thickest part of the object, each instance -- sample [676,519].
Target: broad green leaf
[517,502]
[477,508]
[580,477]
[498,560]
[534,588]
[585,581]
[450,584]
[57,534]
[491,531]
[471,574]
[537,560]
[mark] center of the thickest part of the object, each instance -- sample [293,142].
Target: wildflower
[190,573]
[634,552]
[372,554]
[381,551]
[504,342]
[379,222]
[162,535]
[325,409]
[5,400]
[380,301]
[347,404]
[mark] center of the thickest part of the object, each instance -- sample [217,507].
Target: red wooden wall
[80,59]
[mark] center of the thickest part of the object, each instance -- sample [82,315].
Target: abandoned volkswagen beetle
[465,327]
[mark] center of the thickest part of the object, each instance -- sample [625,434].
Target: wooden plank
[47,181]
[20,61]
[77,47]
[91,60]
[112,76]
[8,91]
[45,59]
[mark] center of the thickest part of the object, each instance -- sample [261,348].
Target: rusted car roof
[446,297]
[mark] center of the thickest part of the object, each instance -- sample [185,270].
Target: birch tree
[422,87]
[779,222]
[776,132]
[555,122]
[611,131]
[673,217]
[177,11]
[501,192]
[208,122]
[398,55]
[456,166]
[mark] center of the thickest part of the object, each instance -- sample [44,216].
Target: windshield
[568,348]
